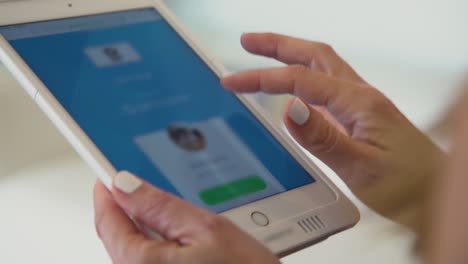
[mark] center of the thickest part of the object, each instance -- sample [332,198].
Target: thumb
[164,213]
[320,137]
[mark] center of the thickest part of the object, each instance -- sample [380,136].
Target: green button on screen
[232,190]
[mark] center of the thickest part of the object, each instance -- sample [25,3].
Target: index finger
[315,88]
[314,55]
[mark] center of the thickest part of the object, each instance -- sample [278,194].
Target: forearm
[448,236]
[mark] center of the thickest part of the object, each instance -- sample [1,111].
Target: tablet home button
[260,219]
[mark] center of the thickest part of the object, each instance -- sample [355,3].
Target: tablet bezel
[282,209]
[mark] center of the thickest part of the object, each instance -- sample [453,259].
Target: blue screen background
[114,104]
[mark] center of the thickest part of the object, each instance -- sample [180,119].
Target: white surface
[49,219]
[47,214]
[414,51]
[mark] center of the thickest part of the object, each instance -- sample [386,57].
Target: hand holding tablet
[132,91]
[193,235]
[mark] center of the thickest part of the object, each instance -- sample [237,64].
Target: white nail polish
[299,112]
[126,182]
[226,74]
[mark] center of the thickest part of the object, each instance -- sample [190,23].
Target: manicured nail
[299,112]
[127,182]
[227,74]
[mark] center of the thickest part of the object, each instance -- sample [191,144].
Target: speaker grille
[311,224]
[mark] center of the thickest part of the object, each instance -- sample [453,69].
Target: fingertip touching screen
[154,108]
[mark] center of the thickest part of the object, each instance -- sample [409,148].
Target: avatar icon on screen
[190,139]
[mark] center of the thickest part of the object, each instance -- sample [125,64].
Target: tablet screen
[154,108]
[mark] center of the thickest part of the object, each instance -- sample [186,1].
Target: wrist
[402,196]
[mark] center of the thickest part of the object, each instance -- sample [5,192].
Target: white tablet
[131,90]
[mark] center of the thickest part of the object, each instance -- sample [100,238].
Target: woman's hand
[193,235]
[345,122]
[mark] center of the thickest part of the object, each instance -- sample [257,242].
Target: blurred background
[414,51]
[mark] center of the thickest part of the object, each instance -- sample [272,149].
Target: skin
[448,235]
[352,127]
[192,235]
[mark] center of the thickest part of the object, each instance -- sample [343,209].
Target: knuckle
[372,100]
[325,48]
[158,204]
[298,70]
[270,36]
[324,140]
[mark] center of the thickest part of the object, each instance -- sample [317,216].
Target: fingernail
[227,74]
[299,112]
[127,182]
